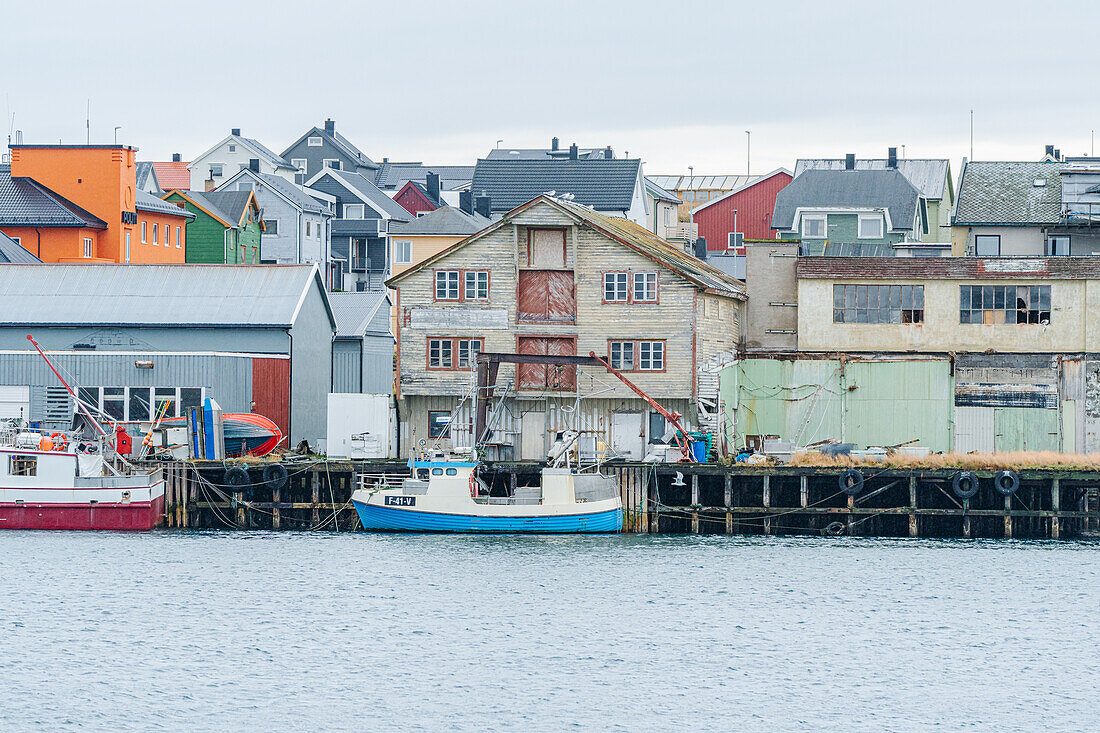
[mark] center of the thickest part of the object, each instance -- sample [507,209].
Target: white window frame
[156,232]
[179,239]
[866,219]
[325,163]
[655,356]
[314,141]
[620,286]
[620,354]
[143,232]
[451,282]
[475,278]
[267,223]
[648,281]
[823,218]
[220,170]
[167,235]
[88,247]
[361,208]
[301,164]
[402,252]
[1050,242]
[232,148]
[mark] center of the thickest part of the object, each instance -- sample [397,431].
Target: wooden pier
[704,499]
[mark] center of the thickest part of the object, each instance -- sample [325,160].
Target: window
[23,465]
[155,238]
[546,248]
[476,286]
[167,236]
[244,185]
[308,224]
[438,422]
[17,240]
[271,227]
[354,211]
[232,148]
[736,243]
[657,427]
[402,253]
[179,239]
[813,227]
[114,402]
[651,356]
[88,249]
[359,260]
[314,141]
[143,225]
[645,287]
[446,285]
[870,226]
[215,170]
[878,304]
[300,163]
[139,404]
[468,349]
[987,245]
[622,355]
[454,353]
[127,246]
[333,163]
[996,304]
[1058,245]
[615,287]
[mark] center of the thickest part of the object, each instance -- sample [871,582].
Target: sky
[676,84]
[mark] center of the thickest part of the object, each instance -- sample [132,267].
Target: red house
[420,198]
[745,211]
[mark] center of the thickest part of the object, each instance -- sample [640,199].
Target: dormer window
[870,226]
[813,227]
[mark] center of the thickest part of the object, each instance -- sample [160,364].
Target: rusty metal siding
[754,206]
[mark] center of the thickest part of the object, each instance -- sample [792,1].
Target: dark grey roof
[824,189]
[444,220]
[369,192]
[605,185]
[145,201]
[274,158]
[143,170]
[228,206]
[396,175]
[11,252]
[298,195]
[354,311]
[1005,193]
[24,202]
[242,296]
[929,175]
[338,141]
[661,193]
[544,153]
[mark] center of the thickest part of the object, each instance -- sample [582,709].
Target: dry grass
[1016,460]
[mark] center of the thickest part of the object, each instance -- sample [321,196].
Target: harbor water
[177,630]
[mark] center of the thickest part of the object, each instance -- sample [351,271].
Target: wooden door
[271,393]
[628,434]
[542,376]
[532,436]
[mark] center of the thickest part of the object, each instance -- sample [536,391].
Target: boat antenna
[79,404]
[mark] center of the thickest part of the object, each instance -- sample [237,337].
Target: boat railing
[378,481]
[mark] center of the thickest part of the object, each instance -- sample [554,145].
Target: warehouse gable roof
[197,296]
[605,185]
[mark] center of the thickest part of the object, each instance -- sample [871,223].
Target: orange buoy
[45,444]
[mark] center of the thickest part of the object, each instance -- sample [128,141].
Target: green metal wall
[866,403]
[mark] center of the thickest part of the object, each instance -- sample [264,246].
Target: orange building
[80,203]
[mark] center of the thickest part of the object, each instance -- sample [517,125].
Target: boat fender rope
[851,482]
[1007,482]
[964,484]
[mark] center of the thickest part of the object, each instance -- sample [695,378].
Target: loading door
[627,434]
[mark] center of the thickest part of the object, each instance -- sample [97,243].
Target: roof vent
[850,162]
[554,143]
[1039,182]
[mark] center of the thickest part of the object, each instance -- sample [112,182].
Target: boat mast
[80,405]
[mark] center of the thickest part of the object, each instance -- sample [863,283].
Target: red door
[271,392]
[543,376]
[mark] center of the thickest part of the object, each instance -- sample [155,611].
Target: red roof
[173,174]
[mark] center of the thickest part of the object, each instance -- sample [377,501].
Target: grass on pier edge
[1015,460]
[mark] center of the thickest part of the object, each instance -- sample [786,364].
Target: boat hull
[396,519]
[82,515]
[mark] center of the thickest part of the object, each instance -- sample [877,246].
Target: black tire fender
[275,476]
[1006,482]
[236,477]
[964,484]
[834,529]
[851,481]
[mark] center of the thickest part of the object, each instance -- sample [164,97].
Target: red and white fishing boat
[68,480]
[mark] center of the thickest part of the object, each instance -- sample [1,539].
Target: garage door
[15,402]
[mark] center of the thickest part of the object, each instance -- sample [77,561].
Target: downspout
[38,236]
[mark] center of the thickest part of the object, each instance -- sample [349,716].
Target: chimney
[481,205]
[850,162]
[701,248]
[235,131]
[330,126]
[432,184]
[607,153]
[385,160]
[466,201]
[1057,154]
[254,165]
[891,157]
[176,157]
[573,152]
[554,143]
[1050,151]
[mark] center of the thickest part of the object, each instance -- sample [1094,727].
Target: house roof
[355,311]
[228,207]
[659,193]
[754,180]
[605,185]
[338,141]
[297,195]
[444,220]
[627,233]
[423,189]
[949,268]
[145,201]
[25,202]
[396,175]
[173,174]
[369,193]
[242,296]
[827,189]
[544,153]
[12,252]
[256,147]
[929,175]
[1005,193]
[692,183]
[143,170]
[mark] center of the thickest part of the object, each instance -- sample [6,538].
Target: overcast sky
[676,84]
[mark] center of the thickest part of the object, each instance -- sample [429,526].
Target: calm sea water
[286,631]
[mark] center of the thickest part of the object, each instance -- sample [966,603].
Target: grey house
[362,355]
[324,147]
[255,338]
[360,230]
[297,220]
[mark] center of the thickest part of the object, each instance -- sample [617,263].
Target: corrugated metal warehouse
[362,357]
[254,338]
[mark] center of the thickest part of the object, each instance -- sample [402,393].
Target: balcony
[680,231]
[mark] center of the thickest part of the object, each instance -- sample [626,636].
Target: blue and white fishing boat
[445,494]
